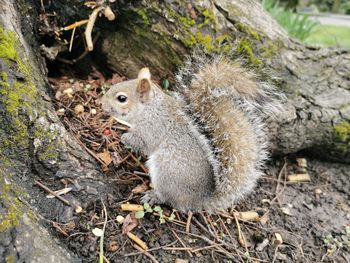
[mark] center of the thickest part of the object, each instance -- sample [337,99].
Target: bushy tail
[229,103]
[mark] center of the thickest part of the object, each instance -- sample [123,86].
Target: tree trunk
[34,146]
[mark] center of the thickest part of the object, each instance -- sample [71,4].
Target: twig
[103,232]
[52,192]
[188,222]
[182,243]
[241,238]
[151,249]
[89,27]
[277,192]
[71,40]
[137,240]
[75,25]
[146,253]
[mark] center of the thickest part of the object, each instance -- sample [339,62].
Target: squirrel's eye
[122,98]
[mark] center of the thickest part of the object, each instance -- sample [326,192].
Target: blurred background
[324,23]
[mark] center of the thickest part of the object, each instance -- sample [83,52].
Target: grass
[299,26]
[330,36]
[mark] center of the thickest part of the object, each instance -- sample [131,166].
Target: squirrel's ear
[144,85]
[144,74]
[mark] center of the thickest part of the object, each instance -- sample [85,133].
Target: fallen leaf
[129,223]
[141,188]
[105,157]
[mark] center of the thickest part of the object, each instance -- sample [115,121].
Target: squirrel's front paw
[127,139]
[150,197]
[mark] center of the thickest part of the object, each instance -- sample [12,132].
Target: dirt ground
[312,218]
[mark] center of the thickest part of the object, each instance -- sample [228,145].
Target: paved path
[332,19]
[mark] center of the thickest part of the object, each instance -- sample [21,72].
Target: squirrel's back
[226,100]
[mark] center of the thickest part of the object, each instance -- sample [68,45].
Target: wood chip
[137,240]
[294,178]
[247,216]
[179,260]
[277,239]
[132,207]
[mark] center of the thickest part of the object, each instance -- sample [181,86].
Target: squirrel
[205,144]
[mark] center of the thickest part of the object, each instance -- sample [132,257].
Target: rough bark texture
[34,145]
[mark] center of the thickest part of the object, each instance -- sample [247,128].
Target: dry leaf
[105,157]
[129,223]
[264,218]
[141,188]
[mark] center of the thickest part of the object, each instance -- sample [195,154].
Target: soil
[313,218]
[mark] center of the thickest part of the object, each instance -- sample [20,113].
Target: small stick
[205,248]
[241,238]
[71,40]
[178,248]
[89,27]
[137,172]
[75,25]
[213,227]
[103,232]
[209,229]
[131,207]
[226,229]
[188,222]
[146,253]
[296,178]
[141,165]
[137,240]
[182,243]
[52,192]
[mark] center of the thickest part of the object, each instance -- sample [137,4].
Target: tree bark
[34,146]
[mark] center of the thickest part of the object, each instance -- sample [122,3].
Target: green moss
[17,97]
[248,30]
[143,13]
[209,17]
[9,196]
[187,21]
[10,259]
[245,47]
[205,40]
[3,76]
[7,45]
[342,133]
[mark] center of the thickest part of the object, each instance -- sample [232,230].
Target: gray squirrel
[205,143]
